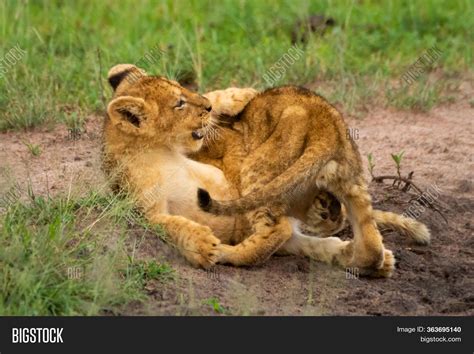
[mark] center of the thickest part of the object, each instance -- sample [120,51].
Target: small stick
[408,184]
[380,179]
[431,206]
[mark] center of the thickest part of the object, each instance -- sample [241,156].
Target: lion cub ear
[124,74]
[127,113]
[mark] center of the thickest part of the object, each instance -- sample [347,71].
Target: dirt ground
[429,280]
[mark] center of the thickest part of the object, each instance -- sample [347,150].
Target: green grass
[223,43]
[66,256]
[215,305]
[142,271]
[34,149]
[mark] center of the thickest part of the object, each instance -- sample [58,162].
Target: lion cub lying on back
[151,124]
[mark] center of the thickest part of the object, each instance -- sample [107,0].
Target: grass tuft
[60,257]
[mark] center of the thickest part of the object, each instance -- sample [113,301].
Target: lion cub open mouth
[198,134]
[201,132]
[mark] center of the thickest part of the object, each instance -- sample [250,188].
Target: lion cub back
[294,139]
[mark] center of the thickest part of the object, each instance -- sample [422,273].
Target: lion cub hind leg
[369,254]
[195,242]
[330,250]
[269,235]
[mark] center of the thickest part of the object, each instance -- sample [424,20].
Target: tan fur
[295,143]
[152,163]
[146,142]
[324,217]
[230,101]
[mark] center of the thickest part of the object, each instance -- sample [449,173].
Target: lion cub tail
[404,225]
[287,186]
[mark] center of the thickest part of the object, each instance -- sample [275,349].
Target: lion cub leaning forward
[294,144]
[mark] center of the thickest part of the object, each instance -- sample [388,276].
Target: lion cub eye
[180,103]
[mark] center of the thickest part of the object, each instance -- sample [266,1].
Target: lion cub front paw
[230,101]
[201,248]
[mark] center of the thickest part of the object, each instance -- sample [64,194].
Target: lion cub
[152,125]
[294,145]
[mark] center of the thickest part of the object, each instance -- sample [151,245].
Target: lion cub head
[151,111]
